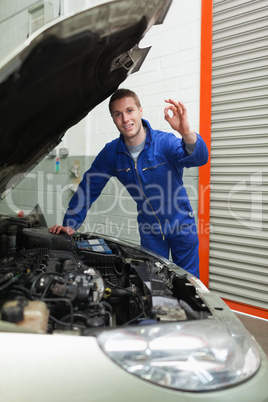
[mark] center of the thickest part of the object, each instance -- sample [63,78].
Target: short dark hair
[124,93]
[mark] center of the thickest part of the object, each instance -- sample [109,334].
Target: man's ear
[141,111]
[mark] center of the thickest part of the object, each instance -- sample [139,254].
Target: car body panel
[64,368]
[40,363]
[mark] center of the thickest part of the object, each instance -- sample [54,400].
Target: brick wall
[171,69]
[15,24]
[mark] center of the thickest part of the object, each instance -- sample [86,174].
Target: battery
[98,245]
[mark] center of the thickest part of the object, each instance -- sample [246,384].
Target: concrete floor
[258,328]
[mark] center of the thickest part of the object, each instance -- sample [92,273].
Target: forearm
[189,137]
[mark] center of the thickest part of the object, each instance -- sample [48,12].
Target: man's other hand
[61,229]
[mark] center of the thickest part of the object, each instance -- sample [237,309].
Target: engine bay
[84,282]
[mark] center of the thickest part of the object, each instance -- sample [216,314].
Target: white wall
[14,21]
[171,69]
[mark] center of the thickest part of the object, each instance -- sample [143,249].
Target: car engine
[84,282]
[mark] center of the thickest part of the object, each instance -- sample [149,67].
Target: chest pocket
[153,167]
[125,175]
[156,175]
[123,170]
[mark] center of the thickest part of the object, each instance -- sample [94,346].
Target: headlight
[190,356]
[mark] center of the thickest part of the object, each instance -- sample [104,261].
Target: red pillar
[205,131]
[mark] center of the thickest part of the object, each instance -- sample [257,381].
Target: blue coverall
[165,217]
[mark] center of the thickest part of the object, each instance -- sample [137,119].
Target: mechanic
[149,163]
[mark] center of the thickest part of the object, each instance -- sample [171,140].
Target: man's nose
[125,117]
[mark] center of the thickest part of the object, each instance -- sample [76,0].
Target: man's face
[127,118]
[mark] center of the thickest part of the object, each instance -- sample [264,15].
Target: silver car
[88,317]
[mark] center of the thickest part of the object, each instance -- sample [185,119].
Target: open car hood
[62,72]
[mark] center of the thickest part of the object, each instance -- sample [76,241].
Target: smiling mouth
[128,127]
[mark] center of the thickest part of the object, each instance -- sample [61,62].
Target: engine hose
[107,306]
[9,283]
[185,306]
[6,277]
[121,293]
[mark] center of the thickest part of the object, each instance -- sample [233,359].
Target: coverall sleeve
[176,150]
[89,189]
